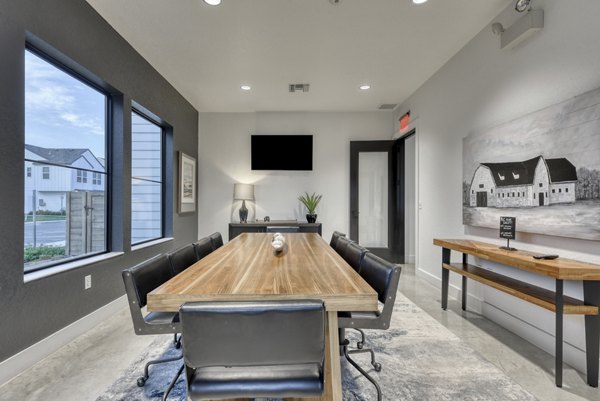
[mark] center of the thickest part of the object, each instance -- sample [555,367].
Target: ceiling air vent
[388,106]
[299,87]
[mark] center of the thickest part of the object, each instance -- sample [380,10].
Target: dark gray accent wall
[31,311]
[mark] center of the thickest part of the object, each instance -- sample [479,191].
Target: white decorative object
[278,242]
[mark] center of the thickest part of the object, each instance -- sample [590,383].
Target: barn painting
[543,168]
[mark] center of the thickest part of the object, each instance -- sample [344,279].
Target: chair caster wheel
[360,345]
[377,367]
[141,381]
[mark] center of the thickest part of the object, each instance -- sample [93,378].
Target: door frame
[395,227]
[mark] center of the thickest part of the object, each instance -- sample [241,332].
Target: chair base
[141,381]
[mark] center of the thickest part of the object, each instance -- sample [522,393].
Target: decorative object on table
[187,184]
[508,227]
[542,168]
[243,192]
[278,242]
[310,202]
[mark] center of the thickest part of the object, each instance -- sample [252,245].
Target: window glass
[146,179]
[65,137]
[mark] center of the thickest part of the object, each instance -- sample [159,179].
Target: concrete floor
[82,370]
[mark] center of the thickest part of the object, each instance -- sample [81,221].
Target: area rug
[421,359]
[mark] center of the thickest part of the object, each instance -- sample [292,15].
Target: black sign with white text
[507,227]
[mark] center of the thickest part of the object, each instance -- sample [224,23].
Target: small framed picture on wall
[187,184]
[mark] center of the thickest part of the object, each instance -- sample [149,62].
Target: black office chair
[279,355]
[182,258]
[282,229]
[383,276]
[341,245]
[203,247]
[354,255]
[139,281]
[217,240]
[334,238]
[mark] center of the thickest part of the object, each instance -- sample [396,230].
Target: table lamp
[243,192]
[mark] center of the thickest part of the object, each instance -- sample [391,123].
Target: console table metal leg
[591,296]
[464,284]
[558,358]
[445,277]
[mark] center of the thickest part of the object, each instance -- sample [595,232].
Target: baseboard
[18,363]
[474,303]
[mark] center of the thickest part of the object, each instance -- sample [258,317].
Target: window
[523,194]
[472,191]
[147,179]
[480,185]
[553,191]
[534,195]
[82,176]
[97,179]
[503,194]
[492,190]
[513,194]
[559,190]
[540,184]
[66,132]
[566,189]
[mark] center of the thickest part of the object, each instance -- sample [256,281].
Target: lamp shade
[243,192]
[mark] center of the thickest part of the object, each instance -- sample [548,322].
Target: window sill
[151,243]
[51,271]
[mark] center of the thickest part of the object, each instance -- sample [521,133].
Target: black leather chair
[279,355]
[217,240]
[139,281]
[383,276]
[341,245]
[203,247]
[182,258]
[354,255]
[334,238]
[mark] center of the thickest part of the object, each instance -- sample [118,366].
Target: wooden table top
[561,268]
[247,268]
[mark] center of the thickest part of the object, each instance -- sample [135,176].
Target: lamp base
[243,212]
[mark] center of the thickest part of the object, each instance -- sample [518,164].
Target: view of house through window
[146,179]
[65,168]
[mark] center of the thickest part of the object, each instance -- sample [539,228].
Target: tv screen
[282,152]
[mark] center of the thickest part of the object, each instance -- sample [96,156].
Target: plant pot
[311,218]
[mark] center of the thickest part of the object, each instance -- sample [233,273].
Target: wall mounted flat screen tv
[282,152]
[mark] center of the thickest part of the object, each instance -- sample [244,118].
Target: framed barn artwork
[542,168]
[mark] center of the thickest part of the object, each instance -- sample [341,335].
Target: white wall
[224,159]
[483,86]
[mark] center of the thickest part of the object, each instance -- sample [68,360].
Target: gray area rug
[421,359]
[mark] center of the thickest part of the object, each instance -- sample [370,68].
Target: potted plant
[310,202]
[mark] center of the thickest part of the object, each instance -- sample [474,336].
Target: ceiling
[208,52]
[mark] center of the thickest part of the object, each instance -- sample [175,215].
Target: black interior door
[378,223]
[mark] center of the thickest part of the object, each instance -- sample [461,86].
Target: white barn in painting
[534,182]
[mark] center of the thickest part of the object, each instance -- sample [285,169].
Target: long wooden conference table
[247,268]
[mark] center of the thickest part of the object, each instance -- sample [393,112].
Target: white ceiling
[207,52]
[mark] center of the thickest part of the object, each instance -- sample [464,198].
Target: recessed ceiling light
[245,87]
[415,1]
[213,2]
[364,87]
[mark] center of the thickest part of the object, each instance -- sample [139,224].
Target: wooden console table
[559,269]
[236,229]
